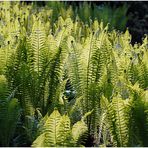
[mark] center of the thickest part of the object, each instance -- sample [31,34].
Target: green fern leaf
[78,130]
[118,119]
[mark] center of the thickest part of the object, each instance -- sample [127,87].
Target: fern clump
[9,113]
[95,78]
[56,130]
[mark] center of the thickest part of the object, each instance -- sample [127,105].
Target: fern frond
[118,119]
[56,70]
[138,119]
[76,69]
[51,132]
[143,75]
[37,46]
[40,141]
[57,131]
[64,132]
[9,113]
[78,130]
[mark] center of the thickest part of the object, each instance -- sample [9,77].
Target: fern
[78,130]
[138,116]
[89,78]
[9,113]
[57,66]
[42,51]
[57,131]
[118,121]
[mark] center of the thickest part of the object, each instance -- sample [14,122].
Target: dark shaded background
[138,21]
[138,12]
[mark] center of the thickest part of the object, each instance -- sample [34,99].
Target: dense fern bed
[70,84]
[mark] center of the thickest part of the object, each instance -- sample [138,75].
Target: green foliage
[113,16]
[118,118]
[139,106]
[88,12]
[39,57]
[56,130]
[9,113]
